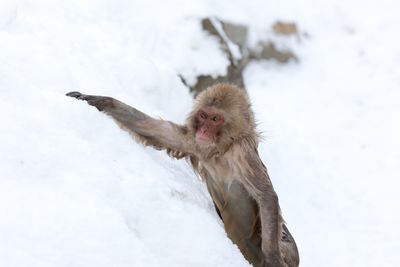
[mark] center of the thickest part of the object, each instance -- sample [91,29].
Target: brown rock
[269,51]
[237,34]
[283,28]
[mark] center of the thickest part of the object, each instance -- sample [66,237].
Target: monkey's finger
[80,96]
[74,94]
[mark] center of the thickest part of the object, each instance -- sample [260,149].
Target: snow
[75,190]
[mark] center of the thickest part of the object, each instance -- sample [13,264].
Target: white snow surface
[76,190]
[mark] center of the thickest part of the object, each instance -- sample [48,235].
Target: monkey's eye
[203,115]
[216,118]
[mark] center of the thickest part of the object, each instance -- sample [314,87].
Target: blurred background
[75,190]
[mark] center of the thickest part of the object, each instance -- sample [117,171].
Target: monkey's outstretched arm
[159,134]
[260,188]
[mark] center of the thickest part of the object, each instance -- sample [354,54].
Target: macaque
[219,140]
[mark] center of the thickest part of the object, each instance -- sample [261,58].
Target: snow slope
[75,190]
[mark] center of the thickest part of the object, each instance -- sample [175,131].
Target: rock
[269,51]
[283,28]
[233,39]
[236,33]
[234,76]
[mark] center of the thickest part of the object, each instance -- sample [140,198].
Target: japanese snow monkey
[220,141]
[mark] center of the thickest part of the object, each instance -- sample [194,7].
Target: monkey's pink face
[210,122]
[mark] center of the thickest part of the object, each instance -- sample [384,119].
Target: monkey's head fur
[239,118]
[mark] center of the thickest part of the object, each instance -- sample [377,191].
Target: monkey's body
[240,213]
[220,141]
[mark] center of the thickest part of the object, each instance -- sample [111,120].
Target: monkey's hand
[100,102]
